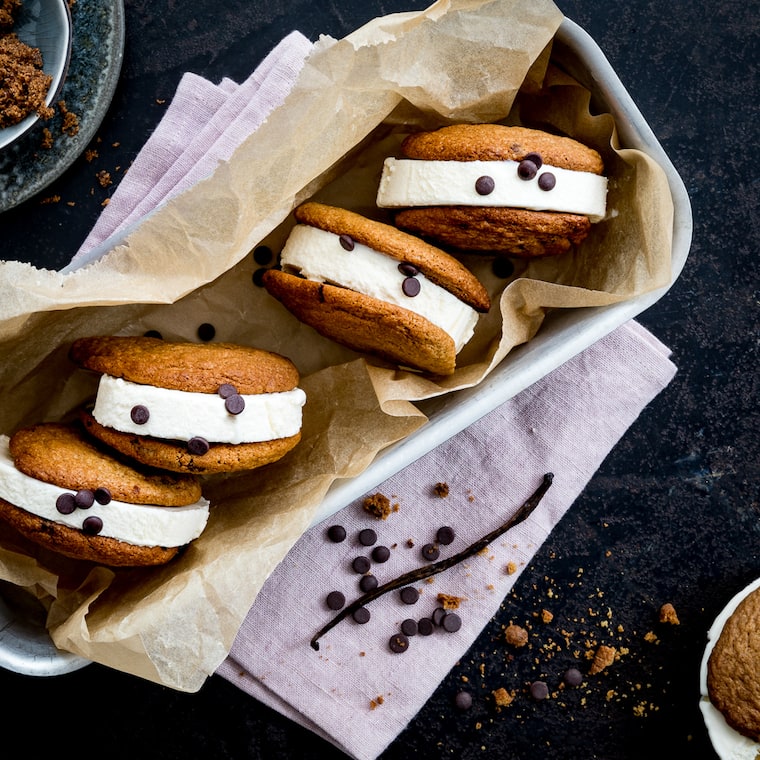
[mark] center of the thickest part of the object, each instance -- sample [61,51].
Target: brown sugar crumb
[516,635]
[23,83]
[441,490]
[603,658]
[377,505]
[70,124]
[90,155]
[501,697]
[668,614]
[8,11]
[104,178]
[449,602]
[50,199]
[47,139]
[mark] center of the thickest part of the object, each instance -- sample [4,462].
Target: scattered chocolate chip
[335,600]
[263,255]
[407,269]
[234,404]
[258,277]
[153,334]
[539,690]
[92,525]
[347,242]
[411,287]
[84,499]
[367,583]
[409,627]
[430,552]
[502,267]
[361,564]
[225,390]
[425,626]
[139,414]
[409,595]
[367,537]
[451,622]
[534,158]
[198,446]
[484,185]
[526,169]
[102,495]
[336,533]
[65,503]
[361,615]
[445,535]
[398,643]
[463,700]
[381,554]
[438,614]
[573,677]
[206,332]
[547,181]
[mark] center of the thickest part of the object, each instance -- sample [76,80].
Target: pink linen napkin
[565,424]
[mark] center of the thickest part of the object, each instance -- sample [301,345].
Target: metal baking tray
[25,646]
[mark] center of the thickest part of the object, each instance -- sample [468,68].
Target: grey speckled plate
[96,55]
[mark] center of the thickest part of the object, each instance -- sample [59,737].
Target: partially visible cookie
[191,407]
[376,289]
[488,187]
[61,490]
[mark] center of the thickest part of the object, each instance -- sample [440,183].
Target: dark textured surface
[672,515]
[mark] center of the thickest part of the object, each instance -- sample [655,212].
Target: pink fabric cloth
[566,424]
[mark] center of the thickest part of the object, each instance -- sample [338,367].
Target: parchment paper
[189,262]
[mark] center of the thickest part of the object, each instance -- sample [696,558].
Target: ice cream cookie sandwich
[61,490]
[376,289]
[192,407]
[488,187]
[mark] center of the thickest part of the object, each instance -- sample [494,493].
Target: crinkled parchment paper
[190,262]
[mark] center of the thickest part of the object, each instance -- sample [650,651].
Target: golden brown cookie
[62,490]
[192,407]
[528,230]
[376,289]
[733,668]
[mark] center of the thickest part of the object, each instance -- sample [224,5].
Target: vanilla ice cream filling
[136,524]
[414,182]
[318,255]
[182,415]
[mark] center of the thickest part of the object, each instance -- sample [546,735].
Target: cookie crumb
[668,614]
[546,616]
[377,505]
[603,658]
[501,697]
[441,490]
[511,568]
[449,602]
[516,635]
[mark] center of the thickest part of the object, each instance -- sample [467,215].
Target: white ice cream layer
[137,524]
[412,182]
[182,415]
[319,255]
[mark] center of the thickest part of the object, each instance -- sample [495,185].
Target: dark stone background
[671,516]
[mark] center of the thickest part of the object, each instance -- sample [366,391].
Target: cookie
[733,668]
[192,407]
[62,490]
[488,187]
[376,289]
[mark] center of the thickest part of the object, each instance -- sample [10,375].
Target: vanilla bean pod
[438,567]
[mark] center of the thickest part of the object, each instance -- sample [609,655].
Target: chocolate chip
[361,615]
[335,600]
[430,551]
[445,535]
[258,277]
[407,269]
[367,537]
[92,525]
[484,185]
[534,158]
[225,390]
[425,626]
[367,583]
[84,499]
[451,622]
[65,503]
[539,690]
[502,267]
[347,242]
[411,287]
[526,169]
[398,643]
[234,404]
[206,332]
[573,677]
[361,564]
[102,495]
[409,627]
[262,255]
[336,533]
[463,700]
[198,446]
[139,414]
[409,595]
[547,181]
[381,554]
[438,614]
[153,334]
